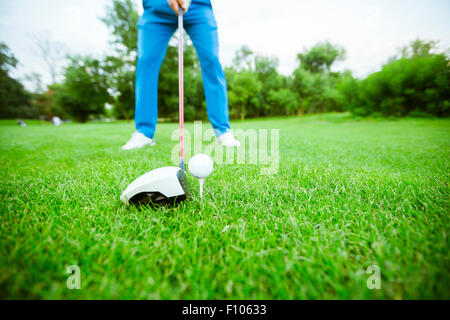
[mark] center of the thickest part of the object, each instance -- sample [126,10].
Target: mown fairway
[348,195]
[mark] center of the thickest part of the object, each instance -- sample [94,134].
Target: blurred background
[75,59]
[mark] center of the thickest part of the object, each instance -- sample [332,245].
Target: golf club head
[162,186]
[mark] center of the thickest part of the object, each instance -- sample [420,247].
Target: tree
[7,60]
[84,91]
[121,78]
[51,52]
[283,101]
[317,92]
[121,18]
[34,80]
[266,67]
[313,80]
[43,100]
[416,48]
[46,105]
[14,100]
[256,89]
[419,48]
[242,58]
[266,70]
[321,57]
[244,88]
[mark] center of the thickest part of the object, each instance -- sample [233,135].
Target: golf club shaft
[181,88]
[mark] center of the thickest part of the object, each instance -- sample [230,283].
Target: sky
[371,31]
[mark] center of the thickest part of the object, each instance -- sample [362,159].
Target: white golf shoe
[137,141]
[228,140]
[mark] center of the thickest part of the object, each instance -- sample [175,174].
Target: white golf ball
[201,166]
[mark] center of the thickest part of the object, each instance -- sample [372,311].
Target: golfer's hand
[176,4]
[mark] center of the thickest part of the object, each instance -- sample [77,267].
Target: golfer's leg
[153,39]
[202,28]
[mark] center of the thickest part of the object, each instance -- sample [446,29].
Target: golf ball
[201,166]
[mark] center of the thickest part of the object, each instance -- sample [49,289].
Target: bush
[416,85]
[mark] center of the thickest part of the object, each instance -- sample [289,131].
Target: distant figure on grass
[57,121]
[21,123]
[155,28]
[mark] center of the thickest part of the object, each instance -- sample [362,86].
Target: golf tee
[201,181]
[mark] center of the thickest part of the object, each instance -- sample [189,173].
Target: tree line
[416,82]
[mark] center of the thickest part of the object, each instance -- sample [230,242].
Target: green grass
[349,194]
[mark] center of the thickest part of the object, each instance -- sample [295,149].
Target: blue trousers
[155,28]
